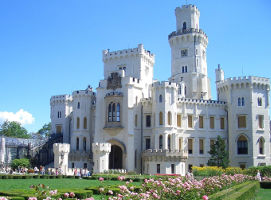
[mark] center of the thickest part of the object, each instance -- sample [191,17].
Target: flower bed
[181,187]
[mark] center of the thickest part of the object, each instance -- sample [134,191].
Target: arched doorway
[115,157]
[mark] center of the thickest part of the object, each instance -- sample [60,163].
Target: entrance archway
[115,157]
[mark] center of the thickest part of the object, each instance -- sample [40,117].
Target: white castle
[136,123]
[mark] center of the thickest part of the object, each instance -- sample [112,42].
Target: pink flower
[30,198]
[91,198]
[110,192]
[72,195]
[101,189]
[66,195]
[101,179]
[205,197]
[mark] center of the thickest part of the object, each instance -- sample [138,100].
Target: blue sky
[55,47]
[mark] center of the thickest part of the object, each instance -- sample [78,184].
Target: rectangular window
[190,146]
[58,129]
[212,122]
[179,120]
[73,165]
[148,143]
[201,165]
[242,121]
[260,121]
[190,121]
[172,169]
[184,52]
[200,121]
[148,121]
[85,165]
[158,168]
[201,146]
[222,123]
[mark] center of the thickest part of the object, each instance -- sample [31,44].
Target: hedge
[265,185]
[264,170]
[243,191]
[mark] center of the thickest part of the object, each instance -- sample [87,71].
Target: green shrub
[83,194]
[264,170]
[20,163]
[16,198]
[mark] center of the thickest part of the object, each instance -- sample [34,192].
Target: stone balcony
[164,155]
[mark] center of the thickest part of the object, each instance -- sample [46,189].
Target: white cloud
[21,116]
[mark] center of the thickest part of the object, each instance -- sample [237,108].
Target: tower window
[148,143]
[260,121]
[59,114]
[160,118]
[190,146]
[212,122]
[135,120]
[243,101]
[190,121]
[169,142]
[259,101]
[172,169]
[242,146]
[200,121]
[113,112]
[222,123]
[77,143]
[160,142]
[78,105]
[261,146]
[78,123]
[158,168]
[148,120]
[201,146]
[160,98]
[85,123]
[184,52]
[85,144]
[118,112]
[184,26]
[242,121]
[185,69]
[179,120]
[169,118]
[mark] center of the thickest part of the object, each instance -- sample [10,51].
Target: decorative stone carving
[114,81]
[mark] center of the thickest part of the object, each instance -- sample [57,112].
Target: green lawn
[14,184]
[263,194]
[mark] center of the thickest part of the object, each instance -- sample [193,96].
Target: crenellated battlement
[188,7]
[82,93]
[107,54]
[244,81]
[61,99]
[201,101]
[164,84]
[101,147]
[199,33]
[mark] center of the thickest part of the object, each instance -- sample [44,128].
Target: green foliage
[45,130]
[13,129]
[264,171]
[24,162]
[246,193]
[219,155]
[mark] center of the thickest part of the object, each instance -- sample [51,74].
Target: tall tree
[13,129]
[219,155]
[45,130]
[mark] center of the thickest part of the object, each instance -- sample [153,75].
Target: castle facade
[136,123]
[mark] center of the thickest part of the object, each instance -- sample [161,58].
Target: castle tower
[61,155]
[101,157]
[2,150]
[188,53]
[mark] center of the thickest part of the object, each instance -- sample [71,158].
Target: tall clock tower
[188,53]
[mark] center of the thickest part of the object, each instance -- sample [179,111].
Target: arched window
[184,26]
[78,123]
[85,123]
[85,144]
[261,145]
[243,101]
[113,112]
[160,142]
[239,101]
[110,112]
[160,98]
[118,112]
[242,146]
[135,120]
[169,120]
[168,142]
[160,118]
[78,105]
[77,143]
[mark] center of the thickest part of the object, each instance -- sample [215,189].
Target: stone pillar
[61,156]
[101,157]
[2,150]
